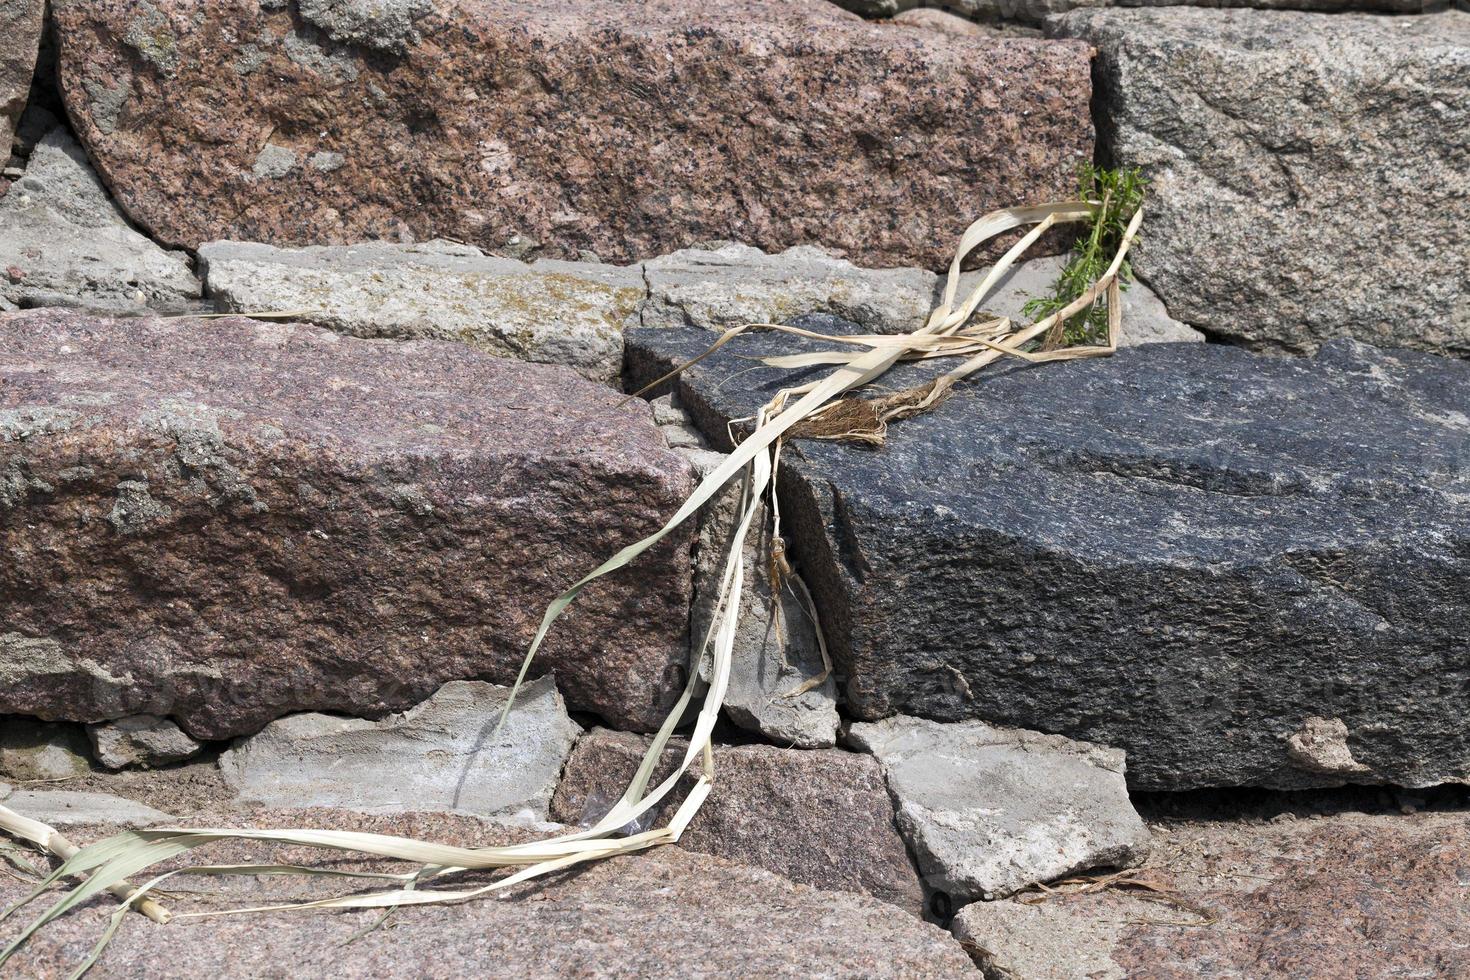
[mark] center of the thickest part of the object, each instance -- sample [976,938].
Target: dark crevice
[1258,805]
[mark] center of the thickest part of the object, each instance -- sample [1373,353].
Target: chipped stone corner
[1321,746]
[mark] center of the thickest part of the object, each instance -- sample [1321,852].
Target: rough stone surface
[20,39]
[667,912]
[1183,550]
[64,808]
[64,243]
[32,750]
[543,126]
[1145,320]
[1036,11]
[732,285]
[988,811]
[776,651]
[438,755]
[225,521]
[551,312]
[144,741]
[1370,895]
[821,817]
[1274,141]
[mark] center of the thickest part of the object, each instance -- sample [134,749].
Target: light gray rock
[71,246]
[731,285]
[988,811]
[1310,174]
[776,652]
[1145,320]
[551,312]
[1036,11]
[140,741]
[61,808]
[32,750]
[436,756]
[666,413]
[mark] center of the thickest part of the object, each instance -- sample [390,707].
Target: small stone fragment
[1013,940]
[988,811]
[1320,745]
[40,751]
[141,741]
[665,413]
[61,808]
[437,756]
[776,652]
[820,817]
[273,161]
[63,242]
[1145,320]
[930,19]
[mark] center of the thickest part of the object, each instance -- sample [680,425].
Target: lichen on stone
[385,25]
[273,161]
[152,37]
[135,509]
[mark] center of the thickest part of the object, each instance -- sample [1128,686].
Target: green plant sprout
[1118,194]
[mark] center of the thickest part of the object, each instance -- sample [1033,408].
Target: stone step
[543,127]
[664,913]
[222,521]
[1244,570]
[1305,185]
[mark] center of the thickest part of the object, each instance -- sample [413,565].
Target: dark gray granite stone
[1244,570]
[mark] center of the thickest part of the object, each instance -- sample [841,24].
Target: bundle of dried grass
[831,408]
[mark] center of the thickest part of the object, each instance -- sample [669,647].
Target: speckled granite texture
[551,127]
[224,521]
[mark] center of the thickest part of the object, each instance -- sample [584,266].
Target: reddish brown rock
[665,913]
[1345,896]
[225,520]
[20,40]
[630,129]
[822,817]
